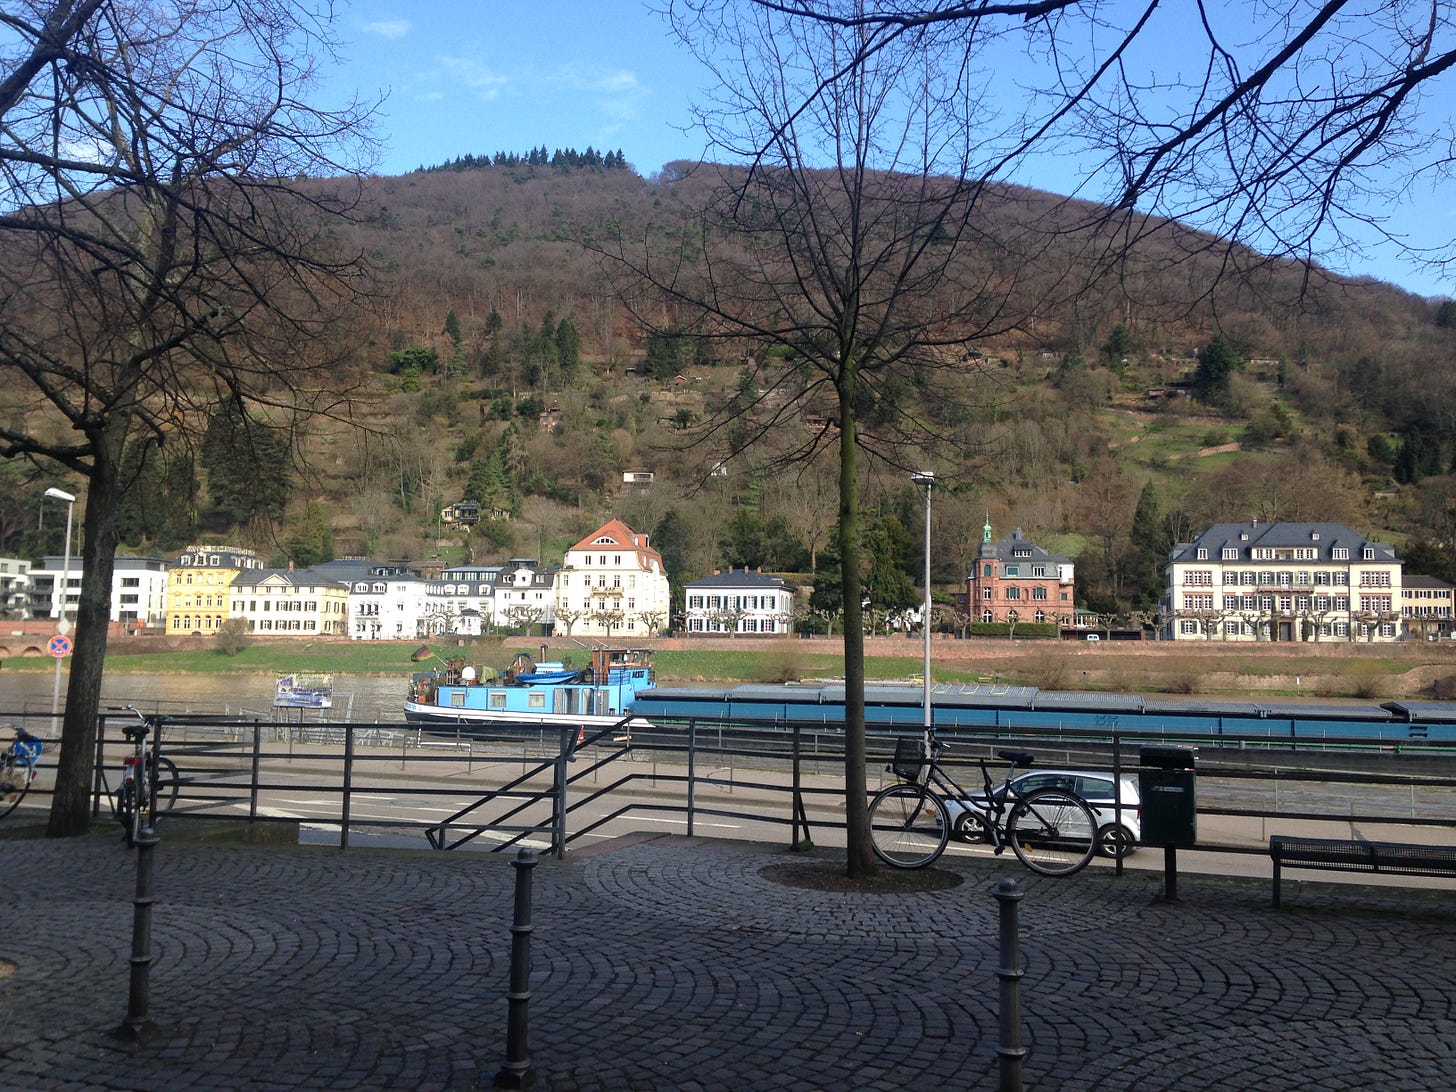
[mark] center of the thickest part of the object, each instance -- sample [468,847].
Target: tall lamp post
[927,479]
[62,626]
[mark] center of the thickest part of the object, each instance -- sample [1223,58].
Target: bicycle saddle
[1017,758]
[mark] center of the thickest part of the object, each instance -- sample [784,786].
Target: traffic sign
[59,646]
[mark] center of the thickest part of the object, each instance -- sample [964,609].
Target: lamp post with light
[927,479]
[62,626]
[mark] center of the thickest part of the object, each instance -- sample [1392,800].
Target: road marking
[684,822]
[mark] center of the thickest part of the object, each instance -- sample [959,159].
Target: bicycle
[148,778]
[1053,832]
[17,769]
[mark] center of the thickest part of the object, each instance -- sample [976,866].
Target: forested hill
[506,370]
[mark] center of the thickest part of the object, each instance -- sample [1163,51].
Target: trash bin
[1167,784]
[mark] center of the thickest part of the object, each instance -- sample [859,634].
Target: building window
[987,616]
[1230,553]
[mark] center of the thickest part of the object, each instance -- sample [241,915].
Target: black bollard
[517,1071]
[1008,893]
[137,1026]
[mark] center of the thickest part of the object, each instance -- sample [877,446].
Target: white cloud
[473,76]
[388,28]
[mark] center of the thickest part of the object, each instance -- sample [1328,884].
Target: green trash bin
[1167,782]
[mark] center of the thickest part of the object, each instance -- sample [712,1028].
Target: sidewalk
[672,963]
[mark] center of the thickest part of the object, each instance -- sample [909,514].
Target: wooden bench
[1358,855]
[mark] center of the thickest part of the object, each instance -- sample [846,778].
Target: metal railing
[553,788]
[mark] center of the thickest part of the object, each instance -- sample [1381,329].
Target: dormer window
[1314,536]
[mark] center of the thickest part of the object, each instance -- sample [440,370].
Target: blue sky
[490,76]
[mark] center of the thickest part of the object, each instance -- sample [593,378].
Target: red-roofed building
[613,585]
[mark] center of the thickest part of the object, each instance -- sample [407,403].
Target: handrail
[255,771]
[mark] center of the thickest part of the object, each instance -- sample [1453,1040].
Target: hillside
[504,368]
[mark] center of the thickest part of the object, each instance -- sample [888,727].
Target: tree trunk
[71,804]
[859,854]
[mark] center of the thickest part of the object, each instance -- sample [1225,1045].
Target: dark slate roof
[297,577]
[1006,550]
[1410,580]
[738,578]
[1244,537]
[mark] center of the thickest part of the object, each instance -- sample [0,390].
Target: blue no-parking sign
[59,646]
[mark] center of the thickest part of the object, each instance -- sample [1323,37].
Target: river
[358,698]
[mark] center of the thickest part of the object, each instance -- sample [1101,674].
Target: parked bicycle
[17,769]
[149,779]
[1053,832]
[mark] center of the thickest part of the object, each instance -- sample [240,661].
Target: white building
[1283,582]
[386,602]
[14,588]
[288,603]
[460,601]
[612,585]
[138,589]
[739,602]
[525,596]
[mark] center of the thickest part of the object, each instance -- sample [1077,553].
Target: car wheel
[970,827]
[1115,841]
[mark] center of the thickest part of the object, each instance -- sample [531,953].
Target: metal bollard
[1008,893]
[517,1071]
[137,1026]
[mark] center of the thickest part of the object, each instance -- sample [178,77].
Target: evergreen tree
[1217,362]
[249,466]
[309,539]
[158,487]
[493,323]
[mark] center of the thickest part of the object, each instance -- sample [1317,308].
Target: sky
[493,76]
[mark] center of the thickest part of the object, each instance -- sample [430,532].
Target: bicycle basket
[909,757]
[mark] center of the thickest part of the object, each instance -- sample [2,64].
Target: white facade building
[1283,582]
[460,601]
[386,603]
[14,588]
[525,596]
[288,603]
[739,602]
[138,589]
[613,585]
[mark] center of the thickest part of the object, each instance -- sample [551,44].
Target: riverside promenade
[666,962]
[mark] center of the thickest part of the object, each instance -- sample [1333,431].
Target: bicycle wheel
[14,784]
[127,812]
[1052,832]
[908,826]
[165,783]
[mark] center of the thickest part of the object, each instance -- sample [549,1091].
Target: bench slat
[1359,855]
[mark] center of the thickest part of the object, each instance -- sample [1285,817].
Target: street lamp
[63,626]
[927,479]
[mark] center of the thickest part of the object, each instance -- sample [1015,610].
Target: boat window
[536,699]
[497,699]
[457,699]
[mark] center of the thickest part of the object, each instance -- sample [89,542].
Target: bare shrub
[232,636]
[1367,682]
[782,666]
[1046,669]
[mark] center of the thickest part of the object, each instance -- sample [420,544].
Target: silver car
[1120,831]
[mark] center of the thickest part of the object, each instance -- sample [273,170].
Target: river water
[358,698]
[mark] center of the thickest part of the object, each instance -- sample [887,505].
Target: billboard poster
[309,691]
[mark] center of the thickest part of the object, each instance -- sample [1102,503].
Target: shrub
[782,665]
[233,636]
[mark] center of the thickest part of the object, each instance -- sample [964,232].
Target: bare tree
[848,256]
[160,254]
[1284,128]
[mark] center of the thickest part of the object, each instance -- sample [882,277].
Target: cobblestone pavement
[674,963]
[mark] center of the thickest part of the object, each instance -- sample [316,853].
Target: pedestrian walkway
[676,963]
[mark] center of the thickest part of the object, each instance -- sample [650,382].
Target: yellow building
[198,584]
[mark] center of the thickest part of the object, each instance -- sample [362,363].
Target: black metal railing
[553,788]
